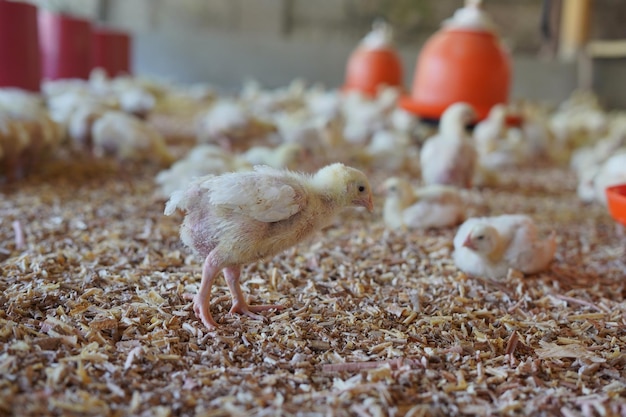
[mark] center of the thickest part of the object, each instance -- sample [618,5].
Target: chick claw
[249,311]
[201,308]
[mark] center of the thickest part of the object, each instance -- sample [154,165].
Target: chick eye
[361,188]
[480,237]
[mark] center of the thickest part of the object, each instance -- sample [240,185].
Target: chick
[238,218]
[391,152]
[14,141]
[610,173]
[81,122]
[232,126]
[450,156]
[128,138]
[432,206]
[287,155]
[489,246]
[490,131]
[200,161]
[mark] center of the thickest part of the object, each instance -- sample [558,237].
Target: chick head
[459,113]
[483,238]
[399,188]
[348,185]
[498,112]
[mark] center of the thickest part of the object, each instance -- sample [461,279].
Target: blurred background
[556,45]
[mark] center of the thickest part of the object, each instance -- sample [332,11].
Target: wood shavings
[94,319]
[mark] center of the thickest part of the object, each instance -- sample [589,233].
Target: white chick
[612,172]
[432,206]
[490,131]
[238,218]
[290,155]
[391,151]
[200,161]
[128,138]
[497,145]
[449,157]
[136,101]
[32,131]
[230,125]
[81,123]
[489,246]
[14,141]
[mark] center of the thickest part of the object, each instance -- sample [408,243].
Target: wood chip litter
[94,318]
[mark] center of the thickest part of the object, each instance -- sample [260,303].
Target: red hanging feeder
[111,51]
[65,45]
[374,63]
[19,46]
[464,61]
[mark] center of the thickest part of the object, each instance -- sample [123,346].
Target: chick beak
[367,202]
[370,204]
[468,243]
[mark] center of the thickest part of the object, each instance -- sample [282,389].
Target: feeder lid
[380,37]
[470,17]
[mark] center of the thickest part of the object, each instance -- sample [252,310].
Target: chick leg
[201,304]
[239,302]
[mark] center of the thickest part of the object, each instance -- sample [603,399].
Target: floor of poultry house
[94,320]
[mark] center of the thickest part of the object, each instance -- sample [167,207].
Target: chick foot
[241,307]
[239,302]
[201,308]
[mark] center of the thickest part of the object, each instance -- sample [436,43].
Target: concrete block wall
[224,41]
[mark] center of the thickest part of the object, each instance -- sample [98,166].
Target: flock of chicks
[235,215]
[270,167]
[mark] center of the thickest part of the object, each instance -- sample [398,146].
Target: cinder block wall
[224,41]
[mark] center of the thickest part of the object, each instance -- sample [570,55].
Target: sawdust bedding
[93,319]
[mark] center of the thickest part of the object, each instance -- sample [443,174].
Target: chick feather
[489,246]
[237,218]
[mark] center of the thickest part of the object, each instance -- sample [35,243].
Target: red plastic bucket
[19,46]
[65,45]
[111,50]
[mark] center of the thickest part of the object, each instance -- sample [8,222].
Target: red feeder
[616,200]
[19,46]
[65,45]
[111,51]
[374,63]
[465,62]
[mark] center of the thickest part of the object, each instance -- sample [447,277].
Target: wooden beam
[607,49]
[574,28]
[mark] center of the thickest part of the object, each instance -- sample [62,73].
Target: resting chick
[238,218]
[450,156]
[489,246]
[426,207]
[128,139]
[202,160]
[288,155]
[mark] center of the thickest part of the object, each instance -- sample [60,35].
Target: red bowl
[616,199]
[19,46]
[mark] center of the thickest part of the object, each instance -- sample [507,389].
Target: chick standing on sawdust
[238,218]
[489,246]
